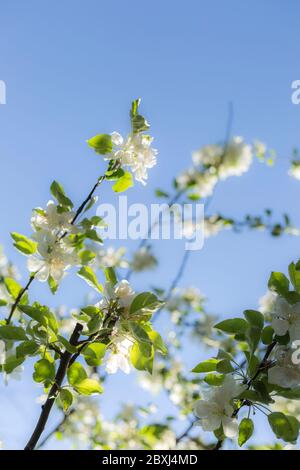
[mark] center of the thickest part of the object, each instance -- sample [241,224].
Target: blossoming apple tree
[256,368]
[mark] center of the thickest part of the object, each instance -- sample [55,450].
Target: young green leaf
[90,277]
[254,318]
[43,370]
[24,244]
[94,353]
[279,283]
[101,143]
[246,429]
[284,427]
[66,398]
[233,325]
[15,333]
[58,192]
[76,373]
[123,183]
[146,302]
[206,366]
[88,387]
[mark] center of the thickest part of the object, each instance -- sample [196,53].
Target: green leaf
[267,335]
[44,370]
[233,325]
[86,256]
[138,122]
[101,143]
[110,276]
[52,284]
[295,276]
[253,336]
[88,387]
[12,363]
[139,360]
[224,367]
[293,394]
[279,283]
[157,342]
[139,333]
[15,333]
[3,302]
[246,429]
[90,277]
[94,353]
[58,192]
[284,427]
[41,314]
[66,398]
[146,302]
[254,318]
[142,338]
[13,288]
[123,183]
[23,244]
[206,366]
[34,313]
[214,379]
[27,348]
[76,373]
[160,193]
[68,346]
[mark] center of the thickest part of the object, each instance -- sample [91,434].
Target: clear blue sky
[72,68]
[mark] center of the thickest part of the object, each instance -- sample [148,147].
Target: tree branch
[59,377]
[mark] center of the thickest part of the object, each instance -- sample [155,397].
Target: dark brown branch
[19,298]
[59,377]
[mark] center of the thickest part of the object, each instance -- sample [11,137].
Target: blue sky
[72,68]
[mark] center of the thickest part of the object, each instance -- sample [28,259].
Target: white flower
[111,258]
[294,171]
[122,291]
[53,257]
[213,225]
[143,259]
[217,409]
[135,152]
[237,159]
[2,353]
[286,318]
[119,359]
[202,184]
[232,159]
[285,373]
[266,302]
[51,219]
[190,227]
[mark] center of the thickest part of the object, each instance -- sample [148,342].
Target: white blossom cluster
[214,162]
[134,152]
[121,344]
[216,408]
[143,259]
[54,253]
